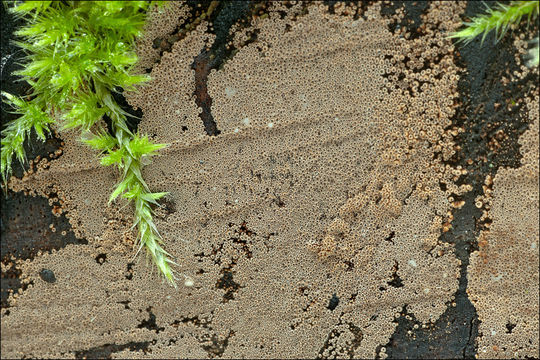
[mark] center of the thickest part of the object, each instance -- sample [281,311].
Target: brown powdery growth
[503,273]
[307,223]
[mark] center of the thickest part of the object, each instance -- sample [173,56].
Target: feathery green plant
[32,116]
[77,54]
[500,20]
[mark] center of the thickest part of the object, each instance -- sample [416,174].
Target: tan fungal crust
[503,273]
[161,22]
[73,178]
[326,179]
[174,93]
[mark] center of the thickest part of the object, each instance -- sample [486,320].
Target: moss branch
[500,18]
[78,52]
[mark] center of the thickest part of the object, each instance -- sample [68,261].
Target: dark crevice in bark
[486,107]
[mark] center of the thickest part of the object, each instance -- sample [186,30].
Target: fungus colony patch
[307,223]
[506,300]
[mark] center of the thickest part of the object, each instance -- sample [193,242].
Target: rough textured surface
[503,274]
[489,111]
[311,223]
[29,227]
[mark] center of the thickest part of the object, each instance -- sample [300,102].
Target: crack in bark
[202,67]
[471,325]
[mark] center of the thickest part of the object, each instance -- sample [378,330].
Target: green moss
[500,19]
[77,54]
